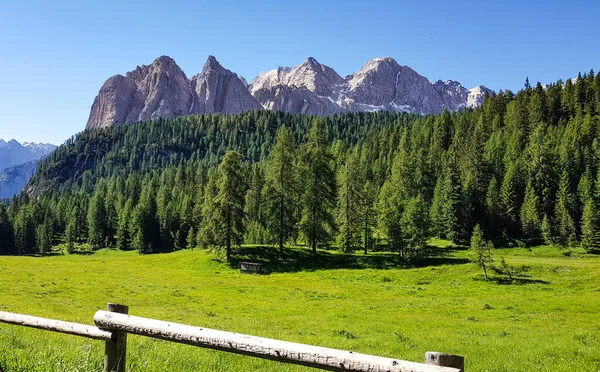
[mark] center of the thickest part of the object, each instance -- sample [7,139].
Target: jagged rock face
[476,96]
[295,100]
[219,90]
[162,90]
[380,84]
[454,96]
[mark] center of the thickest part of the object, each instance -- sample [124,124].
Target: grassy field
[548,321]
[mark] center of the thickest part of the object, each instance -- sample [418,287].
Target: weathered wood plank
[55,326]
[442,359]
[115,350]
[288,352]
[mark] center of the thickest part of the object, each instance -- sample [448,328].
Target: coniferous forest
[523,166]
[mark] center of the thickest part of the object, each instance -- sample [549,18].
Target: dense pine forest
[524,167]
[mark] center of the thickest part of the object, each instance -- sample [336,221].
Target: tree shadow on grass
[516,281]
[297,259]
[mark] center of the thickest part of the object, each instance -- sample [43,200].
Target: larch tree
[481,250]
[7,237]
[229,203]
[348,205]
[317,223]
[281,187]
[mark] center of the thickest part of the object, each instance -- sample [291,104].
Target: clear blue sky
[55,55]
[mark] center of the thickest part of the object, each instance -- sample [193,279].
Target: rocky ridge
[163,90]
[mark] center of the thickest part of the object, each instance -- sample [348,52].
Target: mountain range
[18,163]
[162,90]
[13,153]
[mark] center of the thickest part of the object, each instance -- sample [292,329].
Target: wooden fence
[113,325]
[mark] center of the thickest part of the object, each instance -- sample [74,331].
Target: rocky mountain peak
[212,64]
[162,89]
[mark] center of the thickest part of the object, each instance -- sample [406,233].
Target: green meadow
[548,320]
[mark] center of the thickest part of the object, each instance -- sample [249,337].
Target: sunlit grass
[548,321]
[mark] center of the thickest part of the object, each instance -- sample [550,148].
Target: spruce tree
[492,203]
[368,214]
[281,188]
[317,223]
[145,228]
[436,210]
[510,199]
[207,229]
[451,203]
[414,225]
[97,218]
[530,220]
[565,225]
[348,206]
[590,226]
[7,238]
[229,203]
[481,250]
[255,215]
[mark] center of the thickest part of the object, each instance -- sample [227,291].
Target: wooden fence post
[445,360]
[115,351]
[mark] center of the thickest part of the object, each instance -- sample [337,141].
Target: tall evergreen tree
[530,219]
[565,225]
[415,225]
[230,203]
[145,228]
[281,187]
[492,203]
[590,226]
[319,190]
[97,218]
[451,203]
[255,215]
[7,238]
[348,206]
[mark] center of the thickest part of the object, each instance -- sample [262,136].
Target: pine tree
[70,235]
[451,204]
[368,214]
[546,230]
[255,215]
[481,250]
[191,238]
[510,199]
[414,225]
[145,228]
[319,192]
[530,220]
[25,230]
[123,228]
[207,230]
[97,218]
[348,206]
[281,188]
[390,213]
[565,225]
[436,210]
[590,226]
[492,203]
[7,238]
[230,203]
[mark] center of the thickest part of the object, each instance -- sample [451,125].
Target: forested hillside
[522,166]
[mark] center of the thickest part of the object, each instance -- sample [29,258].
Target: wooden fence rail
[112,326]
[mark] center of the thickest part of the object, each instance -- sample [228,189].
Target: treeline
[522,166]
